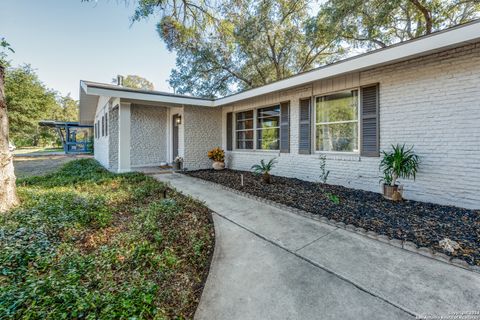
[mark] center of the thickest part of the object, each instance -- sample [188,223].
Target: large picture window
[268,128]
[336,123]
[244,130]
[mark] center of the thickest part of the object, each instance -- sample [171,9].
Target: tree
[8,189]
[29,101]
[239,44]
[377,24]
[136,82]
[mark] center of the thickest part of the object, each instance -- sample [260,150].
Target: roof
[55,124]
[441,40]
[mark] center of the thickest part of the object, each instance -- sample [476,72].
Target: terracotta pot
[218,165]
[391,192]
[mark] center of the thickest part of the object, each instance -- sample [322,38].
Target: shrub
[323,171]
[264,169]
[217,154]
[399,163]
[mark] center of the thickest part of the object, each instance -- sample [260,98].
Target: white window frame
[255,129]
[314,120]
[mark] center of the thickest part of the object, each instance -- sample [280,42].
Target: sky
[66,41]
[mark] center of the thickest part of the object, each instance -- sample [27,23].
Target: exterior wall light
[178,120]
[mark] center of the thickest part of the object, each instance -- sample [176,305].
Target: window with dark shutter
[305,132]
[106,124]
[285,127]
[369,118]
[229,131]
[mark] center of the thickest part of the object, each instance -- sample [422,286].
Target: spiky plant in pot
[401,162]
[264,169]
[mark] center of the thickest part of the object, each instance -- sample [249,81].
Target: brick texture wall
[113,139]
[148,135]
[431,102]
[202,131]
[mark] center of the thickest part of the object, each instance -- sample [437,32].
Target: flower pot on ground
[218,157]
[177,163]
[218,165]
[398,163]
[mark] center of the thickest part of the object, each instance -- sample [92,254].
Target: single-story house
[423,92]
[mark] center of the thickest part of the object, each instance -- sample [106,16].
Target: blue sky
[67,40]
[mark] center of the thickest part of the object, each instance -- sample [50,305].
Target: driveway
[273,264]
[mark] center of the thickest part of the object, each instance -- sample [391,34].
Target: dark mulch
[425,224]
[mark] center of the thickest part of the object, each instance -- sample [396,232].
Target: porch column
[124,137]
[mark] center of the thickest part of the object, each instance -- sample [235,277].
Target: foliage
[217,154]
[239,44]
[264,169]
[333,198]
[376,24]
[323,171]
[86,243]
[4,46]
[136,82]
[30,101]
[399,163]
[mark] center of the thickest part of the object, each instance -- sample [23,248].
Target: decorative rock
[460,263]
[424,251]
[410,246]
[441,256]
[383,238]
[341,225]
[372,234]
[324,220]
[361,231]
[332,222]
[350,227]
[396,242]
[475,268]
[449,245]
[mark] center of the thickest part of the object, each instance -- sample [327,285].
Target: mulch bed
[425,224]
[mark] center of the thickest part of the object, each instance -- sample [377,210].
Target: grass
[41,150]
[28,166]
[89,244]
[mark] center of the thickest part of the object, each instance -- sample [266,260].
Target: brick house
[423,92]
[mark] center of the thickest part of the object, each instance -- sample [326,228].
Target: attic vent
[120,80]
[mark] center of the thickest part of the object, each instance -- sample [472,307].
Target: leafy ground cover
[89,244]
[425,224]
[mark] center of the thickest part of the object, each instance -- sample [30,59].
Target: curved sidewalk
[270,263]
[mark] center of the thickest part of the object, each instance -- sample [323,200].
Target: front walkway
[273,264]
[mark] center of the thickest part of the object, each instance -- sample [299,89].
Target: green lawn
[87,243]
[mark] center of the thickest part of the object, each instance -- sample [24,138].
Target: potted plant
[178,163]
[218,156]
[264,169]
[400,162]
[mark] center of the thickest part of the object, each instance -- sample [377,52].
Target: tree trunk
[8,190]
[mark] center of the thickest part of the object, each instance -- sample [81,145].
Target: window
[336,122]
[244,130]
[95,130]
[106,124]
[268,128]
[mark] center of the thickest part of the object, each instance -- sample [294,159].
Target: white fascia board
[449,38]
[148,97]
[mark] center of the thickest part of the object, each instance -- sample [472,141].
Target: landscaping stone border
[405,245]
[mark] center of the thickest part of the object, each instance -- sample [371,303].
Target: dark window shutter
[285,127]
[305,132]
[370,128]
[229,131]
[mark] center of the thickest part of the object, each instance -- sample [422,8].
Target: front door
[175,135]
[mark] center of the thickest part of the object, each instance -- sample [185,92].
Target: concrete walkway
[273,264]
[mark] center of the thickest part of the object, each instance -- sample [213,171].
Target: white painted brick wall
[148,135]
[431,102]
[101,143]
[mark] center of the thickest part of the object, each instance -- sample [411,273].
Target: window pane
[268,122]
[268,112]
[244,144]
[341,106]
[245,115]
[244,124]
[337,137]
[245,135]
[267,139]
